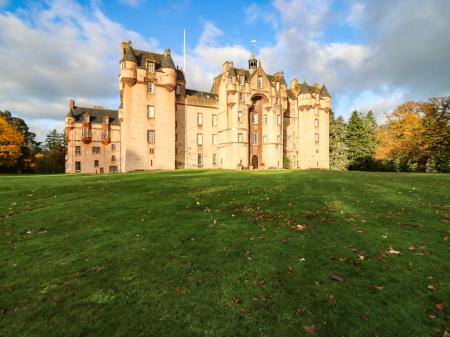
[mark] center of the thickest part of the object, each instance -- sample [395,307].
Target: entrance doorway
[255,161]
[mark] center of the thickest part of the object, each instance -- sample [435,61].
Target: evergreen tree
[338,147]
[361,140]
[54,153]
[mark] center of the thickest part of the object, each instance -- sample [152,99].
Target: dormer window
[230,80]
[242,80]
[86,118]
[260,82]
[105,119]
[178,89]
[150,67]
[277,86]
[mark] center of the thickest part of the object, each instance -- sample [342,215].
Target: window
[86,118]
[265,139]
[279,119]
[152,151]
[151,136]
[199,138]
[278,139]
[150,111]
[260,82]
[317,137]
[96,164]
[230,80]
[199,119]
[317,150]
[86,132]
[150,68]
[214,139]
[95,150]
[200,159]
[214,120]
[214,158]
[178,89]
[241,96]
[265,119]
[77,150]
[105,119]
[105,133]
[113,147]
[277,100]
[254,118]
[254,139]
[113,159]
[239,116]
[316,122]
[242,80]
[240,138]
[151,87]
[113,169]
[77,166]
[316,111]
[277,85]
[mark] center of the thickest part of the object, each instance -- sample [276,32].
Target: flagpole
[184,51]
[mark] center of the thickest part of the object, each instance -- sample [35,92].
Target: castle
[249,119]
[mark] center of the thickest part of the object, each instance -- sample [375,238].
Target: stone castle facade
[249,119]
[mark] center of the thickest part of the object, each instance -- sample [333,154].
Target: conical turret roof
[324,91]
[167,61]
[129,54]
[305,88]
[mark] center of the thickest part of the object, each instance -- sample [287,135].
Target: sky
[372,55]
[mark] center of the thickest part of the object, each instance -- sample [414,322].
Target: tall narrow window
[230,80]
[151,136]
[317,137]
[199,138]
[239,116]
[279,119]
[254,118]
[214,158]
[241,96]
[260,82]
[96,163]
[265,119]
[277,100]
[254,138]
[77,166]
[214,139]
[150,67]
[178,89]
[113,147]
[316,122]
[199,118]
[214,120]
[150,111]
[265,139]
[316,111]
[77,150]
[278,139]
[277,85]
[113,159]
[151,87]
[200,159]
[240,138]
[95,150]
[242,80]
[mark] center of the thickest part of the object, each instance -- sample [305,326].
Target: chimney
[294,84]
[72,104]
[226,66]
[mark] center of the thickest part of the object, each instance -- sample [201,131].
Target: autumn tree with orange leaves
[11,142]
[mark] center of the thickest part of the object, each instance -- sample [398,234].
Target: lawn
[225,253]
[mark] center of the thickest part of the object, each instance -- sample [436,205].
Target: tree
[360,140]
[338,147]
[53,155]
[401,138]
[436,134]
[11,142]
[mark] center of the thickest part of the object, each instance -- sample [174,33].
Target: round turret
[168,67]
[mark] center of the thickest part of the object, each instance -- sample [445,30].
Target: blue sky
[371,54]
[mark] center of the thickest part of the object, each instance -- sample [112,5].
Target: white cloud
[132,3]
[51,54]
[253,13]
[356,14]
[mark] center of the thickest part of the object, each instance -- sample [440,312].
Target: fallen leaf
[378,287]
[290,270]
[432,316]
[439,306]
[430,287]
[310,329]
[337,277]
[178,289]
[445,238]
[242,310]
[299,227]
[330,298]
[392,251]
[364,317]
[343,259]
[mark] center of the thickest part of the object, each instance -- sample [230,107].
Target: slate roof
[305,88]
[324,92]
[96,115]
[204,94]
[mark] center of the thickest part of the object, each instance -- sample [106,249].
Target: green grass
[216,253]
